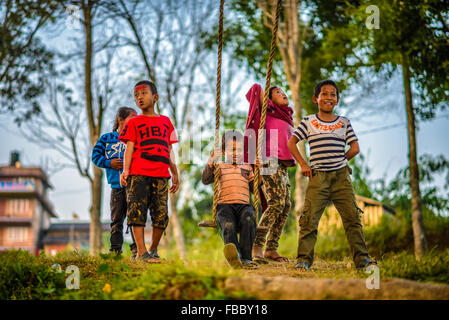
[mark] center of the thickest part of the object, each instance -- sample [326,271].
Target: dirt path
[328,281]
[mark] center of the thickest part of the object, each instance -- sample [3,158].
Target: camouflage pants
[145,193]
[276,189]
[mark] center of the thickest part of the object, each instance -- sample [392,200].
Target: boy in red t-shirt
[148,158]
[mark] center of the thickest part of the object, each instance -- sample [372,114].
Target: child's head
[277,96]
[145,94]
[326,95]
[123,115]
[232,145]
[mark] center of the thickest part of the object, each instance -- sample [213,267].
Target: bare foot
[274,255]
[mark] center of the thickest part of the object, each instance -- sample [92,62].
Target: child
[328,135]
[235,214]
[148,158]
[275,196]
[108,153]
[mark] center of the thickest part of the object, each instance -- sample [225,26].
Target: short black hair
[234,134]
[270,91]
[148,83]
[122,113]
[320,84]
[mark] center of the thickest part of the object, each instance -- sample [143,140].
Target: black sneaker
[303,265]
[232,255]
[365,263]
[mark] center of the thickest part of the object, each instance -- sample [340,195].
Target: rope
[264,110]
[217,111]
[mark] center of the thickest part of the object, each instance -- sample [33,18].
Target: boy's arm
[98,154]
[306,171]
[174,171]
[354,150]
[127,162]
[208,172]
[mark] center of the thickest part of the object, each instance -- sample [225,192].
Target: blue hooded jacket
[107,148]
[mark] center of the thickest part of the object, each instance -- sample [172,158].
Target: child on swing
[108,153]
[275,186]
[235,214]
[329,179]
[148,158]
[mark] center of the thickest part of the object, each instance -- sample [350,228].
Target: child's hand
[174,184]
[306,171]
[116,164]
[124,178]
[212,159]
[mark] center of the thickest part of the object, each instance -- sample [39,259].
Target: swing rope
[264,110]
[217,150]
[217,111]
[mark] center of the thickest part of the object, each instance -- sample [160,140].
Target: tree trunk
[417,218]
[176,226]
[95,212]
[94,132]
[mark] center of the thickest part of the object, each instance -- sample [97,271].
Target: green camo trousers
[276,189]
[335,186]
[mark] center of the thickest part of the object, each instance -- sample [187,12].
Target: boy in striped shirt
[329,180]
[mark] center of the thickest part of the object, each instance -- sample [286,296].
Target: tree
[23,56]
[61,125]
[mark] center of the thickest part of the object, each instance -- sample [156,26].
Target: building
[74,235]
[373,212]
[25,210]
[68,235]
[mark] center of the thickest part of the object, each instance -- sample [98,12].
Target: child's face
[144,97]
[327,99]
[279,97]
[234,151]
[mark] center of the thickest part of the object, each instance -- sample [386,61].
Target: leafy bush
[23,276]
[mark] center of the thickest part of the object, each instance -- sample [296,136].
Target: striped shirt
[327,141]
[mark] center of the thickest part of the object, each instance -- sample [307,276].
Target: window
[18,207]
[17,234]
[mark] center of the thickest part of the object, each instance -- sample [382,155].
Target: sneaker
[249,264]
[232,255]
[153,254]
[302,265]
[365,263]
[146,257]
[133,249]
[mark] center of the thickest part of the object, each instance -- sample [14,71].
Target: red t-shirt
[151,136]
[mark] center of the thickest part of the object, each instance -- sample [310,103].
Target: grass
[201,276]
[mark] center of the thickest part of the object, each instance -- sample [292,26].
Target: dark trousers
[237,223]
[118,215]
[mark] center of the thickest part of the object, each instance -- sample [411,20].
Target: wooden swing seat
[207,224]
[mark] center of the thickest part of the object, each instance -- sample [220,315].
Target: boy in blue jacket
[108,154]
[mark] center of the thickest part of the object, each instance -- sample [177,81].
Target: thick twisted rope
[264,110]
[217,111]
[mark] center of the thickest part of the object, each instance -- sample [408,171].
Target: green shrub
[23,276]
